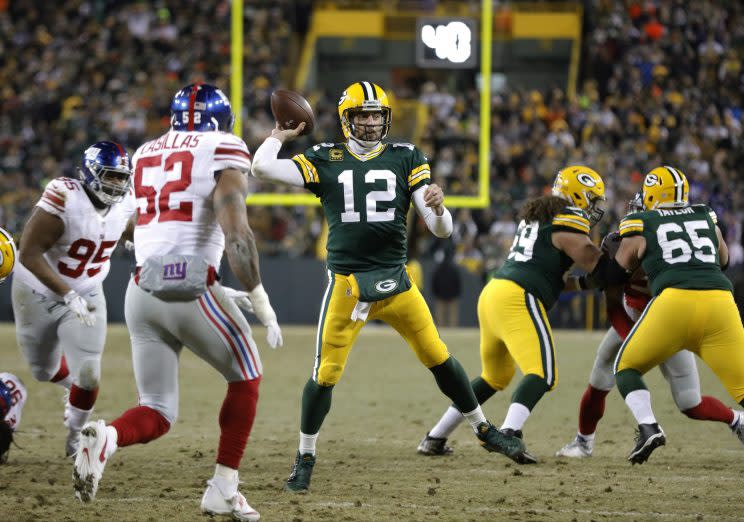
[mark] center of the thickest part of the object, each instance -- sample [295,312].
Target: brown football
[290,108]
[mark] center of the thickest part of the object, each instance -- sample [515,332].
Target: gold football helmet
[7,254]
[364,97]
[665,187]
[584,188]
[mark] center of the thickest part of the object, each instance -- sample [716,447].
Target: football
[290,108]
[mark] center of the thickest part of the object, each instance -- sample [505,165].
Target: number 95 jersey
[81,255]
[174,178]
[365,200]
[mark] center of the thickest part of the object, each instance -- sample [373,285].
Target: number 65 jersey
[681,248]
[174,178]
[81,255]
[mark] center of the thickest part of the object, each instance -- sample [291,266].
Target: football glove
[6,437]
[265,313]
[239,298]
[611,244]
[80,307]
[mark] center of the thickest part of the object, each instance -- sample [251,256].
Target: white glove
[262,308]
[80,307]
[239,298]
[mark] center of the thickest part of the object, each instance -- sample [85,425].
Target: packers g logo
[386,286]
[651,180]
[344,97]
[586,180]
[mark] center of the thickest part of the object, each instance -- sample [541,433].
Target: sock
[62,377]
[447,424]
[591,409]
[76,418]
[738,417]
[81,398]
[236,420]
[482,390]
[530,390]
[639,402]
[711,409]
[516,416]
[226,479]
[629,380]
[316,403]
[140,425]
[475,417]
[453,381]
[307,443]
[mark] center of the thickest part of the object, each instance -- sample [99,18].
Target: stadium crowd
[661,84]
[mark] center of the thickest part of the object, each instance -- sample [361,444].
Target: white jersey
[18,396]
[174,182]
[81,256]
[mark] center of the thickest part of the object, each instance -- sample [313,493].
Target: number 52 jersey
[365,200]
[81,255]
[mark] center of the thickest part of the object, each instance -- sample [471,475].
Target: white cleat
[738,428]
[214,502]
[93,452]
[579,448]
[72,442]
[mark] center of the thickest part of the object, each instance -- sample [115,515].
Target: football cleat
[738,428]
[648,438]
[578,448]
[302,470]
[522,458]
[434,446]
[214,502]
[497,441]
[93,452]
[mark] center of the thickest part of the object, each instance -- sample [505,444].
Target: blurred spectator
[446,285]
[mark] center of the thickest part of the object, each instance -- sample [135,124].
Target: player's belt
[212,275]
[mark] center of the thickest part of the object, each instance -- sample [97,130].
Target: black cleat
[494,440]
[525,457]
[302,470]
[434,446]
[648,438]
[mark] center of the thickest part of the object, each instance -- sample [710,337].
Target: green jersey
[534,263]
[681,248]
[365,200]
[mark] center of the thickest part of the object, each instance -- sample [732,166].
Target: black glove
[610,244]
[6,437]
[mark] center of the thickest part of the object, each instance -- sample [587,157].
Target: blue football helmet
[201,107]
[106,171]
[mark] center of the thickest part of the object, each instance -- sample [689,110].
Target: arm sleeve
[440,226]
[231,152]
[267,166]
[631,226]
[571,220]
[54,198]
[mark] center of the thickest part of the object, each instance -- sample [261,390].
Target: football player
[366,187]
[681,249]
[552,236]
[680,370]
[190,186]
[57,293]
[12,398]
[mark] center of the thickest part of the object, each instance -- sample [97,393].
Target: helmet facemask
[110,184]
[369,131]
[636,203]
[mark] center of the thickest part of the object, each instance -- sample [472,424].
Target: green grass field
[367,466]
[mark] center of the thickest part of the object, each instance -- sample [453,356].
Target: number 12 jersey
[365,200]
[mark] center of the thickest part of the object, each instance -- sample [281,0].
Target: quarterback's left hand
[434,198]
[239,298]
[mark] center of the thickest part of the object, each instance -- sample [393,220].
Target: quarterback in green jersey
[553,235]
[681,249]
[366,187]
